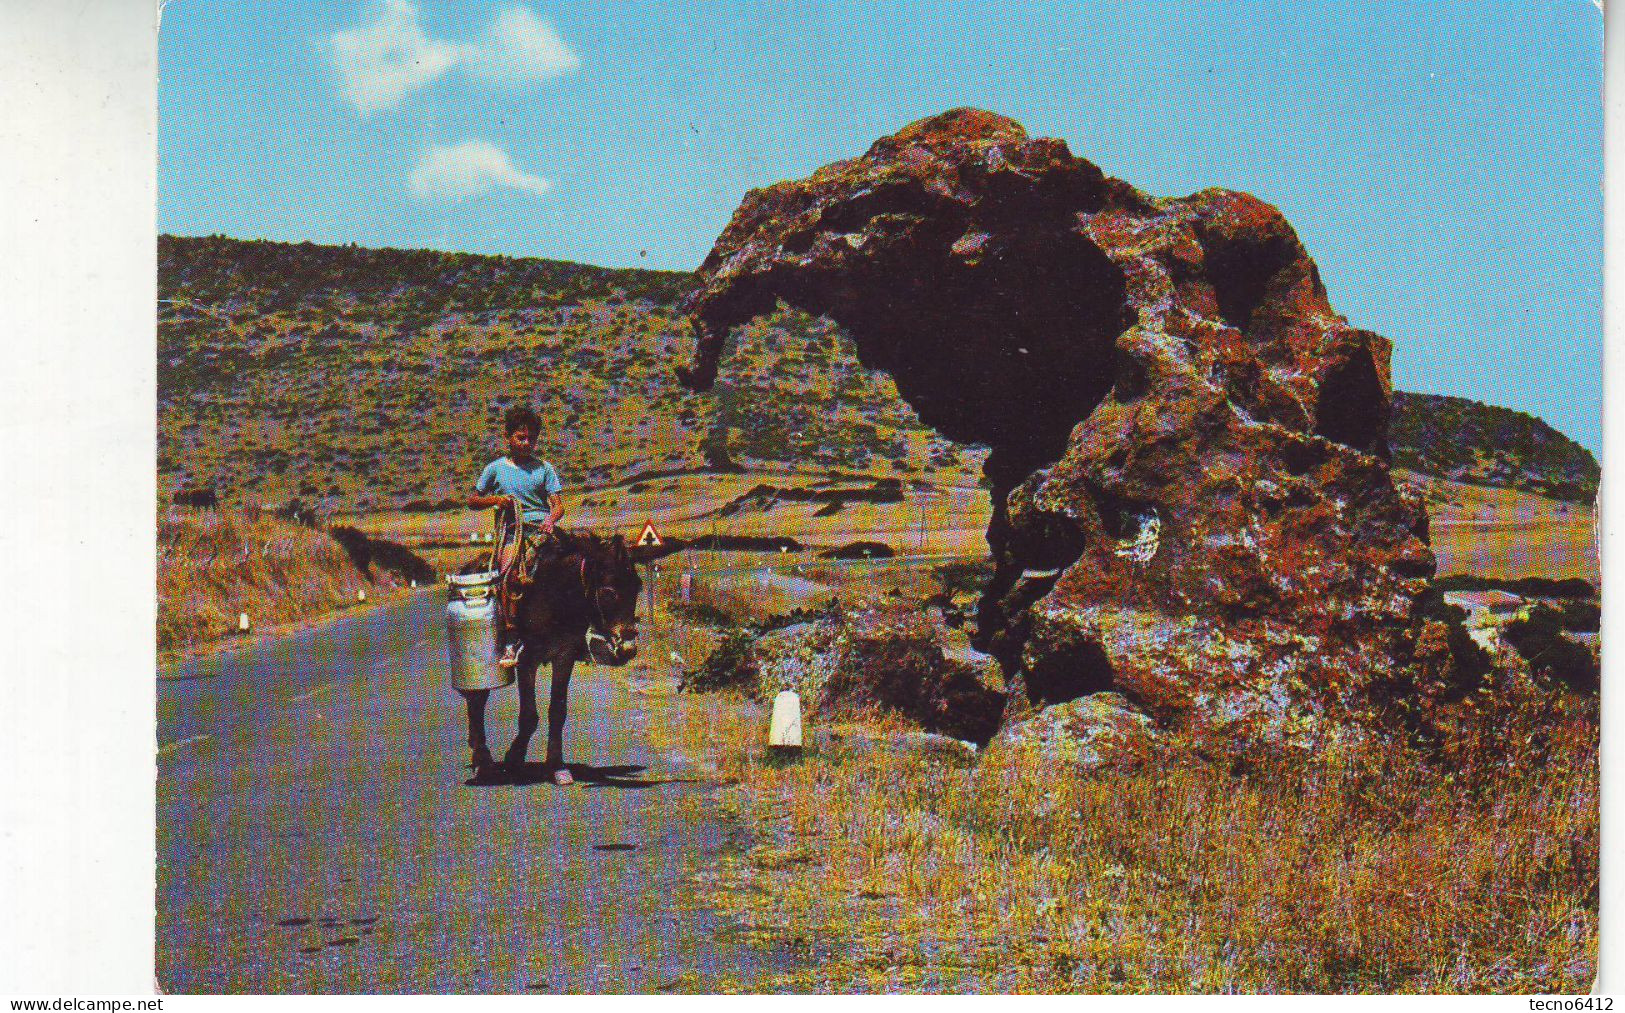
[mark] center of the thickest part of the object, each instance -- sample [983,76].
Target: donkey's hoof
[482,765]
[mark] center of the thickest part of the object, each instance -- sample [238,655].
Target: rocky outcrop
[884,657]
[1091,733]
[1192,500]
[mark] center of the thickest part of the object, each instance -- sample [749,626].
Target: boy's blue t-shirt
[530,486]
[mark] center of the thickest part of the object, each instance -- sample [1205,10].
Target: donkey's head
[612,583]
[609,577]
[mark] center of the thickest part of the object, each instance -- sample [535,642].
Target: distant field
[1491,532]
[1508,534]
[954,516]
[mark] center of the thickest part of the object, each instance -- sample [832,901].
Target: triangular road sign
[649,536]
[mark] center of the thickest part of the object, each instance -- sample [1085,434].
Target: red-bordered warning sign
[649,536]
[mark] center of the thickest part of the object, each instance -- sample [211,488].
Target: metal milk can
[471,633]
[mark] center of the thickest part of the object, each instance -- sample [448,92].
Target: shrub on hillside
[1483,444]
[730,666]
[964,578]
[367,552]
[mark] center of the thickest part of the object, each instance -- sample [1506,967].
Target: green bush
[1540,640]
[731,666]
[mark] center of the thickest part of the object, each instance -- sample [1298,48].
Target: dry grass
[1374,872]
[214,564]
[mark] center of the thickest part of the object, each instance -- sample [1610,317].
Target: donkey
[581,601]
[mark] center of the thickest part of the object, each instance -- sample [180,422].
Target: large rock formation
[1193,506]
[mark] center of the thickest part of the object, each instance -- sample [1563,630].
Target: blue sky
[1441,161]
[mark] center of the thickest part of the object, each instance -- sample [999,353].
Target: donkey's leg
[480,761]
[557,711]
[514,760]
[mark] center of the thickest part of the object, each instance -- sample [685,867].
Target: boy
[524,483]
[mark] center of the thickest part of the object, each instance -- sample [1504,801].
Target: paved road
[316,832]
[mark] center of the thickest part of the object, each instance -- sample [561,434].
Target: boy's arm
[555,503]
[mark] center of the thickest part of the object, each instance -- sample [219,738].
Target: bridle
[598,627]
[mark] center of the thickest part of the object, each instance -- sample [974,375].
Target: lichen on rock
[1091,733]
[1193,506]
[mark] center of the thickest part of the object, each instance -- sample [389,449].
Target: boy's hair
[520,417]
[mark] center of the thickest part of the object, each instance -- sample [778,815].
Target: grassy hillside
[215,564]
[373,379]
[365,380]
[1479,444]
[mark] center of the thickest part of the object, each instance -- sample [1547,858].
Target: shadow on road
[613,776]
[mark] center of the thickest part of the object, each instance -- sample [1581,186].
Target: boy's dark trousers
[515,579]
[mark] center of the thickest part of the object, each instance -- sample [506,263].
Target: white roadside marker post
[361,594]
[242,622]
[654,575]
[784,734]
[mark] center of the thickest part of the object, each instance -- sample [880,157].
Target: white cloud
[381,63]
[520,47]
[469,169]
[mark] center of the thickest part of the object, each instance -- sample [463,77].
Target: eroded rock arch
[1192,500]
